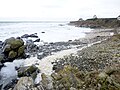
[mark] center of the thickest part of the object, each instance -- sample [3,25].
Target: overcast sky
[57,9]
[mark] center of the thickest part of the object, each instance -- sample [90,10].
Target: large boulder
[24,83]
[31,35]
[12,43]
[25,36]
[1,60]
[70,77]
[31,71]
[13,48]
[1,65]
[7,48]
[12,54]
[9,40]
[1,44]
[21,50]
[16,43]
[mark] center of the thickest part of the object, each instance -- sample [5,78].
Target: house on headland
[95,17]
[118,18]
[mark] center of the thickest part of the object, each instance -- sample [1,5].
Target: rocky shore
[97,23]
[95,67]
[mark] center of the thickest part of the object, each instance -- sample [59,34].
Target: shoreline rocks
[31,35]
[70,77]
[12,48]
[97,23]
[68,73]
[29,71]
[95,67]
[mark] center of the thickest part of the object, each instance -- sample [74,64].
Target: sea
[53,32]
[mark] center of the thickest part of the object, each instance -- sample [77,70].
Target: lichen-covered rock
[1,57]
[46,82]
[12,54]
[6,48]
[13,48]
[31,71]
[16,43]
[102,76]
[67,78]
[24,83]
[9,40]
[1,60]
[21,50]
[70,77]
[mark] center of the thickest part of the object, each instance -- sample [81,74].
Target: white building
[95,17]
[118,18]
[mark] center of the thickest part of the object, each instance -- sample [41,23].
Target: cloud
[58,9]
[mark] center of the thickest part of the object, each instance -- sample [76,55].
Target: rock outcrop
[30,71]
[24,83]
[97,23]
[13,48]
[70,78]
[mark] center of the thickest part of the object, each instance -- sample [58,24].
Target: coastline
[92,67]
[99,35]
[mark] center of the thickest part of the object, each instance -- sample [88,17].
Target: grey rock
[42,32]
[25,36]
[6,48]
[30,71]
[33,35]
[24,83]
[12,54]
[37,40]
[11,84]
[1,65]
[8,41]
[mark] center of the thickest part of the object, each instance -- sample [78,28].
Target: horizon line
[31,21]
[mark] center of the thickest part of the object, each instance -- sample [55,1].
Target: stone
[1,44]
[37,40]
[1,57]
[6,48]
[13,48]
[102,76]
[21,50]
[33,35]
[11,84]
[16,43]
[1,65]
[56,76]
[45,81]
[34,76]
[9,40]
[42,32]
[30,41]
[31,71]
[12,54]
[25,36]
[24,83]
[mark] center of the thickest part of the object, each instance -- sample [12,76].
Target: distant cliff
[97,23]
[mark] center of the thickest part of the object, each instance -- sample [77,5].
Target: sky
[57,10]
